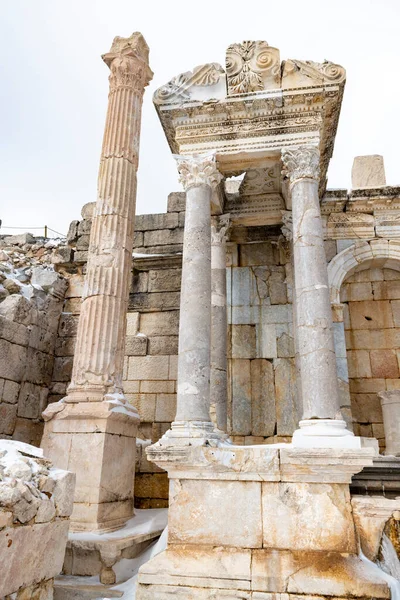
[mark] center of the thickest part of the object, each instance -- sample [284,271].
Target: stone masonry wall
[372,328]
[31,300]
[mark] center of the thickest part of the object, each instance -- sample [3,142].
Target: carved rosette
[198,170]
[220,227]
[301,163]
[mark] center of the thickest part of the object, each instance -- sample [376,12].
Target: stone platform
[90,559]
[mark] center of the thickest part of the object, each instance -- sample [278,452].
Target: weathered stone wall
[31,300]
[35,504]
[372,325]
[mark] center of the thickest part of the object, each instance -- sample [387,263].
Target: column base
[329,433]
[193,433]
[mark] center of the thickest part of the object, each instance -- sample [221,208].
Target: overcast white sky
[54,87]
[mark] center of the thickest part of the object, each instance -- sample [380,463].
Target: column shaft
[218,381]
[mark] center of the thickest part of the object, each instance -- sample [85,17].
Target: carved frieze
[252,66]
[261,181]
[348,225]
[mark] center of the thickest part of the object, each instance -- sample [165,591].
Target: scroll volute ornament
[198,170]
[128,60]
[252,66]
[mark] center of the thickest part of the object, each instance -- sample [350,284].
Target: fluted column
[314,329]
[218,378]
[93,430]
[198,175]
[99,351]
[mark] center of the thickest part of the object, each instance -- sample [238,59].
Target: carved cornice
[178,88]
[301,163]
[220,227]
[128,63]
[198,170]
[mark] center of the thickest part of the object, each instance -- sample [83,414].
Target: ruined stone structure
[255,334]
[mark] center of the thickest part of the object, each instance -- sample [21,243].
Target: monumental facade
[254,331]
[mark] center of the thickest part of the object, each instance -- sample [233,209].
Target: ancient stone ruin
[230,368]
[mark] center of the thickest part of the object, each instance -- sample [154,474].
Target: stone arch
[359,256]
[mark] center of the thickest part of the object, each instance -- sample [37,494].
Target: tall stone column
[314,329]
[218,380]
[92,431]
[199,175]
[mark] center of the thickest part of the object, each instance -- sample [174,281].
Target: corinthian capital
[198,169]
[128,60]
[301,163]
[220,227]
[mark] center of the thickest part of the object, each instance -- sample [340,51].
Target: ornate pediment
[252,67]
[300,73]
[204,82]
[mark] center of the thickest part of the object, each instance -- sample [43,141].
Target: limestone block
[81,256]
[156,221]
[148,367]
[73,305]
[241,396]
[32,400]
[68,325]
[390,402]
[72,231]
[266,338]
[75,286]
[151,485]
[386,290]
[396,312]
[278,292]
[218,513]
[16,308]
[368,171]
[264,253]
[241,286]
[176,201]
[83,242]
[13,332]
[28,431]
[374,314]
[372,339]
[307,516]
[370,517]
[208,567]
[155,387]
[243,340]
[62,368]
[12,360]
[10,392]
[145,404]
[165,407]
[366,408]
[356,292]
[287,411]
[162,237]
[21,563]
[359,363]
[157,301]
[165,280]
[160,323]
[263,412]
[384,364]
[167,344]
[140,281]
[285,346]
[135,345]
[173,367]
[39,367]
[65,346]
[8,418]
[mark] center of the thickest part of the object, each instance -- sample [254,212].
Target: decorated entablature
[248,113]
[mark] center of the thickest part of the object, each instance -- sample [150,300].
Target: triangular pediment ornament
[298,73]
[179,88]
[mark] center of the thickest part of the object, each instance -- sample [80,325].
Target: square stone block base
[97,441]
[199,572]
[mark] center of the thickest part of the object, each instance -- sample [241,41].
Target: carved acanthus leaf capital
[220,227]
[128,61]
[301,163]
[198,169]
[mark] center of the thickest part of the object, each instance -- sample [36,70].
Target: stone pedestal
[390,402]
[245,522]
[92,431]
[218,376]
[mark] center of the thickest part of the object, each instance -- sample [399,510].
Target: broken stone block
[16,308]
[368,171]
